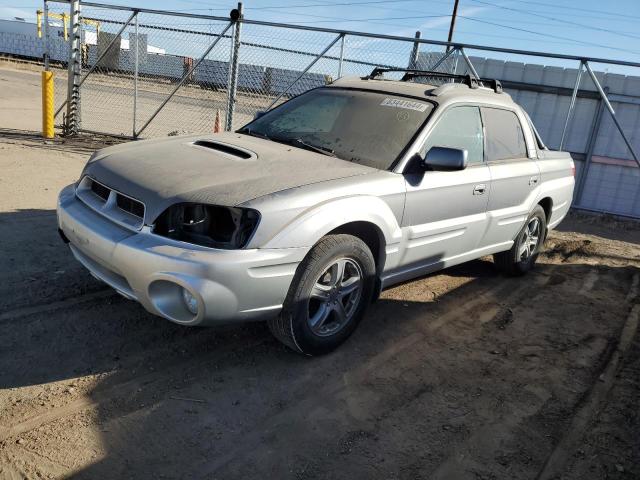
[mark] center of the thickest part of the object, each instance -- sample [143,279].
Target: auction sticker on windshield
[408,104]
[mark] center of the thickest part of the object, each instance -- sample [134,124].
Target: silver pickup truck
[305,214]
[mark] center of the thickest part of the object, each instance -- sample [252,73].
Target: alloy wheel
[529,240]
[334,297]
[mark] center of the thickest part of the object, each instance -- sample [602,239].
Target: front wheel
[526,247]
[329,294]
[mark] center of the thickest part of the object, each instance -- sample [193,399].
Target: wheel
[329,294]
[526,247]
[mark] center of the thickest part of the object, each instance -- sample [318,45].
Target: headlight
[208,225]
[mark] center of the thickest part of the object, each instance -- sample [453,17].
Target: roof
[449,92]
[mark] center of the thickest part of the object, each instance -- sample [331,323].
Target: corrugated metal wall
[613,180]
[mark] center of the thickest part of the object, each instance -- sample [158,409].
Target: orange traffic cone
[216,125]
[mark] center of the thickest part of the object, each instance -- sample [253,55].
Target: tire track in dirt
[462,458]
[595,397]
[340,389]
[454,310]
[177,370]
[53,306]
[121,389]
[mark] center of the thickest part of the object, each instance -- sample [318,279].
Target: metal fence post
[73,83]
[233,67]
[572,104]
[593,137]
[605,99]
[135,77]
[415,52]
[341,56]
[46,54]
[469,64]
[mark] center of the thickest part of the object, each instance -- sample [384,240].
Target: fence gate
[151,73]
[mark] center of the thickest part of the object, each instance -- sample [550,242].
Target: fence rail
[151,72]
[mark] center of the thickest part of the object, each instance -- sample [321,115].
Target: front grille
[117,206]
[130,205]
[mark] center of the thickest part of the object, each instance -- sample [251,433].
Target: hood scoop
[225,148]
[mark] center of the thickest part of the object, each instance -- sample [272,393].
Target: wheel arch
[370,234]
[547,205]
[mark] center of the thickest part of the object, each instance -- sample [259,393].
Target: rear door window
[504,135]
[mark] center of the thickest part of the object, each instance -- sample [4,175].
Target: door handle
[480,189]
[533,180]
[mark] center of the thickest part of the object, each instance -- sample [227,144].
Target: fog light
[190,301]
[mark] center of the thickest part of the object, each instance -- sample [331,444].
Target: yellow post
[64,25]
[47,105]
[39,22]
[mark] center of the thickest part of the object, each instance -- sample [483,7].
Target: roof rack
[410,73]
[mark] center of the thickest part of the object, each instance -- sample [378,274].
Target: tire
[323,306]
[518,260]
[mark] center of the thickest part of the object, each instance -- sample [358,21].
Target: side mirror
[445,159]
[259,113]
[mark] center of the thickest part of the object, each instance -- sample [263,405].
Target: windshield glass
[364,127]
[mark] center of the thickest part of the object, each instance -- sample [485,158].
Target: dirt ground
[463,374]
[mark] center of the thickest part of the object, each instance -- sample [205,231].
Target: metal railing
[179,71]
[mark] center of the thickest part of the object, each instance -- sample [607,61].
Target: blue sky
[586,27]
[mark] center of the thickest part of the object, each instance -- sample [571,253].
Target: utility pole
[453,21]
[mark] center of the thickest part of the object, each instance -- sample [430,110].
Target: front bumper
[229,285]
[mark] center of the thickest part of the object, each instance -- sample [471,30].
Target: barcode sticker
[408,104]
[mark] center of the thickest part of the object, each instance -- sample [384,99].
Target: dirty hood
[171,170]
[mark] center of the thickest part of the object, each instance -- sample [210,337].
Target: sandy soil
[461,374]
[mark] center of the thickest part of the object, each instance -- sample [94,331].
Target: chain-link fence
[133,61]
[148,73]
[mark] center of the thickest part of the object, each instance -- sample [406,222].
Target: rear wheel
[328,297]
[526,247]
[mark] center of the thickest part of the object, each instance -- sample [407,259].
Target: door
[445,212]
[515,176]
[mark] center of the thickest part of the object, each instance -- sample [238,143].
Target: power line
[331,4]
[600,12]
[526,12]
[591,44]
[413,17]
[373,3]
[333,19]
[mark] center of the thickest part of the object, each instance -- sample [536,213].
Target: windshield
[363,127]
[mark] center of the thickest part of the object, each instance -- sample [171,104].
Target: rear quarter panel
[557,183]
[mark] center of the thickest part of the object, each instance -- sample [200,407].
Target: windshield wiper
[248,131]
[300,143]
[296,142]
